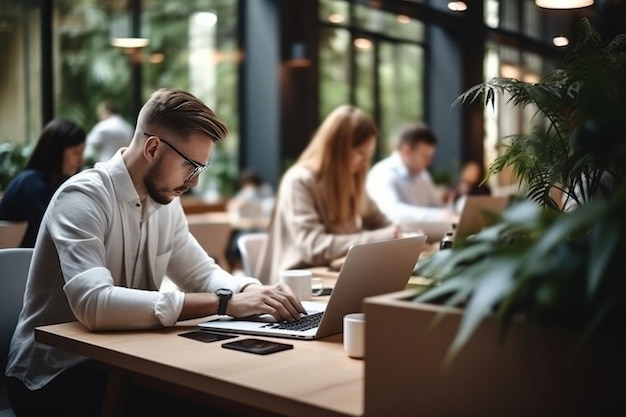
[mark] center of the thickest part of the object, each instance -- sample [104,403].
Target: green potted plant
[579,147]
[527,316]
[579,107]
[13,159]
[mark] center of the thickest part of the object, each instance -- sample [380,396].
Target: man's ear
[150,148]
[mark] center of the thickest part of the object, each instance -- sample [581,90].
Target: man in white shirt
[111,133]
[401,185]
[108,238]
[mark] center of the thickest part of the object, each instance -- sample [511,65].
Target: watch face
[223,292]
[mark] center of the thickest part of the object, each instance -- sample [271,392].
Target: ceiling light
[123,34]
[130,42]
[336,18]
[362,43]
[402,18]
[560,41]
[563,4]
[457,6]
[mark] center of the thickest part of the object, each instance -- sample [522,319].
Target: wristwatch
[224,294]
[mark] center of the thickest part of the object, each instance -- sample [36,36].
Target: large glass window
[520,17]
[373,59]
[507,120]
[365,74]
[191,44]
[401,65]
[87,68]
[194,46]
[335,89]
[20,73]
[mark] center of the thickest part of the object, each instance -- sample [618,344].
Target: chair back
[213,235]
[250,245]
[14,265]
[11,233]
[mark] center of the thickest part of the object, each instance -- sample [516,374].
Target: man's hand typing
[276,300]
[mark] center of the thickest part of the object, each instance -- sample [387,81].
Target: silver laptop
[434,230]
[475,214]
[369,269]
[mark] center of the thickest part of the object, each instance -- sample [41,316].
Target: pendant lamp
[563,4]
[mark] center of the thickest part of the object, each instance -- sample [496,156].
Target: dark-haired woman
[57,156]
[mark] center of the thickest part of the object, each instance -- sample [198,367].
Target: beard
[152,179]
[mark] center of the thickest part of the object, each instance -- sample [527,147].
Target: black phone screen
[206,337]
[257,346]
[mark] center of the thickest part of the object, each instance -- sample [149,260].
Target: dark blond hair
[329,156]
[179,113]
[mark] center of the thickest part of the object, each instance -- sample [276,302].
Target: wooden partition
[528,375]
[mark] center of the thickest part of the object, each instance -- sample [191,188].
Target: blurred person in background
[57,156]
[469,183]
[321,207]
[401,185]
[254,198]
[109,134]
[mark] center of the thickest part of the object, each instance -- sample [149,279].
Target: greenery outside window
[192,46]
[373,59]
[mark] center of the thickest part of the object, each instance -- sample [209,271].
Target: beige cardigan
[299,235]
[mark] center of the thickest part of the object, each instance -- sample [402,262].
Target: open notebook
[369,269]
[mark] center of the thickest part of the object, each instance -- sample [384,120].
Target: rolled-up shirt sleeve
[100,305]
[169,307]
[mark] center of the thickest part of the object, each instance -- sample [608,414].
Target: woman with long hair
[57,156]
[321,206]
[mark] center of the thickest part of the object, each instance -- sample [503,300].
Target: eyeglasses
[197,168]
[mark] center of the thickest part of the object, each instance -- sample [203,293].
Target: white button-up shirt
[403,197]
[109,135]
[100,258]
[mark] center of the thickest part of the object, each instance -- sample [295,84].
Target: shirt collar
[123,184]
[120,177]
[398,165]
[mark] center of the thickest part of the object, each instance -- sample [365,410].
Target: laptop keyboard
[305,323]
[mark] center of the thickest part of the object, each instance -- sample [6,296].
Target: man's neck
[136,172]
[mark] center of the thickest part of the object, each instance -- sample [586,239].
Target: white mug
[302,283]
[354,335]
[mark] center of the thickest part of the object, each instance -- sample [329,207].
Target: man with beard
[107,240]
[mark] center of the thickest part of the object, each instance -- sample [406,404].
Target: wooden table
[236,222]
[314,379]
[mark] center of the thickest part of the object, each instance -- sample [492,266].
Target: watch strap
[224,296]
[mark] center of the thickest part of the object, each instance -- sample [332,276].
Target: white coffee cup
[354,335]
[302,283]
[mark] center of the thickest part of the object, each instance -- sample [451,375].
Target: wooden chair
[11,233]
[15,264]
[250,245]
[214,236]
